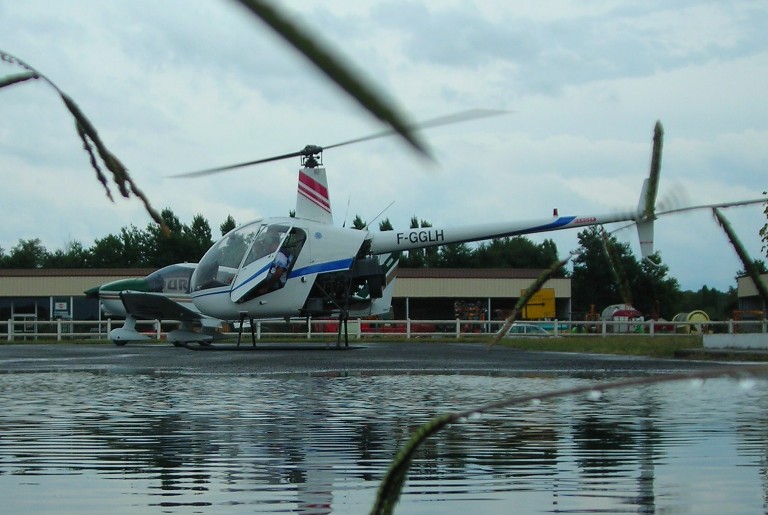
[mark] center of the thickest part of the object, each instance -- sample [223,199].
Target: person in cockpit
[278,273]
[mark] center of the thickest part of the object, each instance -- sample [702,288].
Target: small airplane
[161,295]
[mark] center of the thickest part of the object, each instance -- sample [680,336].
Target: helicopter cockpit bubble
[266,242]
[220,264]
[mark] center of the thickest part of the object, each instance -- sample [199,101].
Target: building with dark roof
[423,293]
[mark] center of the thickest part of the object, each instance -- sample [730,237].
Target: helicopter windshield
[266,242]
[220,264]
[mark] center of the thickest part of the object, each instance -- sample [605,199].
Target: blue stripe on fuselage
[322,268]
[318,268]
[258,273]
[557,224]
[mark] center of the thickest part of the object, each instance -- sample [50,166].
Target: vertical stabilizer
[645,233]
[313,201]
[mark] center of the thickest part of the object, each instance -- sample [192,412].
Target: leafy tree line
[130,248]
[604,272]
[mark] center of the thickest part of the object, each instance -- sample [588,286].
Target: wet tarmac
[313,358]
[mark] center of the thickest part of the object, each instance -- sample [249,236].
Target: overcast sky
[181,85]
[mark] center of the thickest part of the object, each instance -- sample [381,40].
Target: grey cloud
[547,56]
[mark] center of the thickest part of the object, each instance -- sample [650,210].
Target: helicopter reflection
[307,445]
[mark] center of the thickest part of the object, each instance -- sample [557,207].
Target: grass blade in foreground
[391,486]
[90,138]
[332,66]
[529,293]
[749,265]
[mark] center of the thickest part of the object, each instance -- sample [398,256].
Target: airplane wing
[156,306]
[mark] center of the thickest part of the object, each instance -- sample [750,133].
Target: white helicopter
[336,271]
[343,272]
[165,294]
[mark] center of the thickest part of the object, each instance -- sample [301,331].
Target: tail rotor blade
[653,184]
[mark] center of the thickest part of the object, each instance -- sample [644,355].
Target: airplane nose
[124,284]
[92,293]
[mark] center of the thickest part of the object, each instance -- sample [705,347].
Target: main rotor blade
[218,169]
[463,116]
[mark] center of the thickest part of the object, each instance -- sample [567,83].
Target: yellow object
[697,321]
[540,306]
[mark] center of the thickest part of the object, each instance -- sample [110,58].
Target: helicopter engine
[349,289]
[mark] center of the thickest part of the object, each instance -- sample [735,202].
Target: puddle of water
[92,443]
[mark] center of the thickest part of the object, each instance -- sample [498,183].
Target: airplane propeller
[309,151]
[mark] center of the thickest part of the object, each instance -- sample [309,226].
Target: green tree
[199,236]
[137,247]
[359,223]
[516,252]
[26,254]
[73,255]
[151,247]
[418,258]
[717,304]
[130,249]
[162,250]
[593,281]
[228,225]
[653,291]
[183,244]
[598,281]
[107,252]
[455,255]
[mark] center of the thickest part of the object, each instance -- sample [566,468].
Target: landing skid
[343,319]
[240,330]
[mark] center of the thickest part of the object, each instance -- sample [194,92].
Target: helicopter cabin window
[220,264]
[284,257]
[267,241]
[282,243]
[244,246]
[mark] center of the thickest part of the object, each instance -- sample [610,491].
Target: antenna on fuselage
[346,213]
[380,213]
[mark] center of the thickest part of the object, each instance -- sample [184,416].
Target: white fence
[20,330]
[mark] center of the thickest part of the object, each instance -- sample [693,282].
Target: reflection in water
[130,443]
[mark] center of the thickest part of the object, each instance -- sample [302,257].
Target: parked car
[527,330]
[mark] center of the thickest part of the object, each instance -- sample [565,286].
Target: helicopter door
[258,261]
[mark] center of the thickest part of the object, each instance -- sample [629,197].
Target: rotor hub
[311,156]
